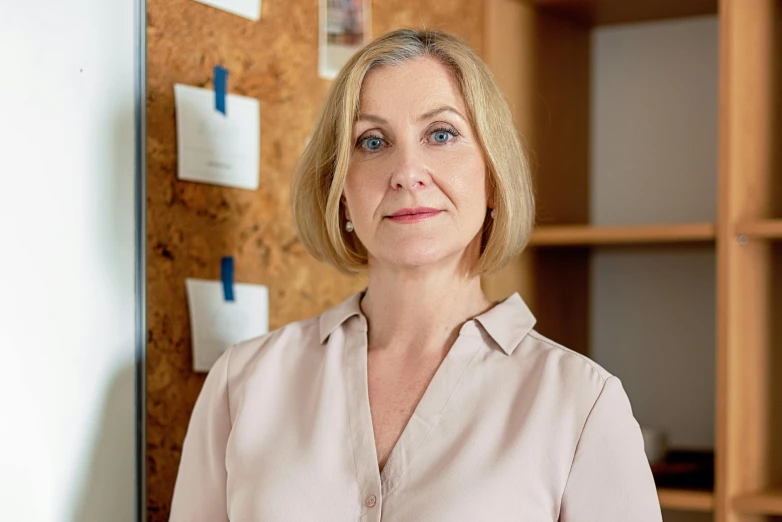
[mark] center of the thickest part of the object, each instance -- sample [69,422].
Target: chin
[416,254]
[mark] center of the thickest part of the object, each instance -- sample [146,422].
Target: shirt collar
[334,317]
[507,323]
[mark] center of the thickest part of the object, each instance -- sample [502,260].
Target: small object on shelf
[654,444]
[685,469]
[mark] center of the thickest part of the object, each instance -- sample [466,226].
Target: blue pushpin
[227,276]
[221,87]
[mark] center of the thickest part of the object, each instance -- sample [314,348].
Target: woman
[416,399]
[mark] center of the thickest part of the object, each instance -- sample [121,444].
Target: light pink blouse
[512,427]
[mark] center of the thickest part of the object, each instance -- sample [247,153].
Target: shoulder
[295,342]
[563,369]
[565,356]
[293,336]
[511,326]
[570,384]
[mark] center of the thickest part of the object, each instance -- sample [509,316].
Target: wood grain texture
[767,502]
[567,235]
[191,225]
[604,12]
[749,394]
[725,479]
[686,500]
[560,150]
[563,294]
[560,142]
[762,228]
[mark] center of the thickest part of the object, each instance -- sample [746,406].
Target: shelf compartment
[768,502]
[586,235]
[602,12]
[686,500]
[765,228]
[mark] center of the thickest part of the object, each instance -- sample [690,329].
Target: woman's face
[416,187]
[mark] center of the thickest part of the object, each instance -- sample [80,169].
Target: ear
[489,190]
[344,202]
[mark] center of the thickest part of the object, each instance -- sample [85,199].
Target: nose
[409,170]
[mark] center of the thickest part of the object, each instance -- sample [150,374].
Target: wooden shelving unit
[760,229]
[585,235]
[603,12]
[541,52]
[765,502]
[686,500]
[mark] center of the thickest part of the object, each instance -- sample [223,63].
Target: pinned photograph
[345,27]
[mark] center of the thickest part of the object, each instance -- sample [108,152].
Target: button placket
[362,437]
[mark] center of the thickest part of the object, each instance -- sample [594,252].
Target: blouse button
[371,501]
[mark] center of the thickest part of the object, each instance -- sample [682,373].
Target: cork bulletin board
[191,226]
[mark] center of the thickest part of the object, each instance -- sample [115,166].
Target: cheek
[360,190]
[468,179]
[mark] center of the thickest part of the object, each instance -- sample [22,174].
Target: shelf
[767,228]
[767,502]
[585,235]
[686,500]
[601,12]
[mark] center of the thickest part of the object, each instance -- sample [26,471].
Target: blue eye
[371,143]
[443,135]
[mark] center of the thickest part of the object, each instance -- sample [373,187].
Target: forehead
[412,87]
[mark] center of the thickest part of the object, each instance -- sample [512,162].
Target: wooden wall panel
[191,225]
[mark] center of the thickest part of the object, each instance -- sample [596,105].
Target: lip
[411,215]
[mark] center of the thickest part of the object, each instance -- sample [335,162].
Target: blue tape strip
[221,87]
[227,276]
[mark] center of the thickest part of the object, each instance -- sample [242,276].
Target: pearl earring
[349,226]
[493,213]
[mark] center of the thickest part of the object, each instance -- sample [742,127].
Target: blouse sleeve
[610,478]
[200,489]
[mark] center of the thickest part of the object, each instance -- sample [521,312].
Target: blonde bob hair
[319,178]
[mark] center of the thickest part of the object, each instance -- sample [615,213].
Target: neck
[418,312]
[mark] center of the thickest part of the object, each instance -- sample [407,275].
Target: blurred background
[654,130]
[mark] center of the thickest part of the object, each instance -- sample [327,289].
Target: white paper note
[217,148]
[217,324]
[250,9]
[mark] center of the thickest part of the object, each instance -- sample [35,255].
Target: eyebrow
[425,116]
[440,110]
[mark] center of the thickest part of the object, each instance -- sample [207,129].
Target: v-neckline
[425,416]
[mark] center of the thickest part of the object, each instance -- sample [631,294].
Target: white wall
[654,160]
[654,122]
[67,422]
